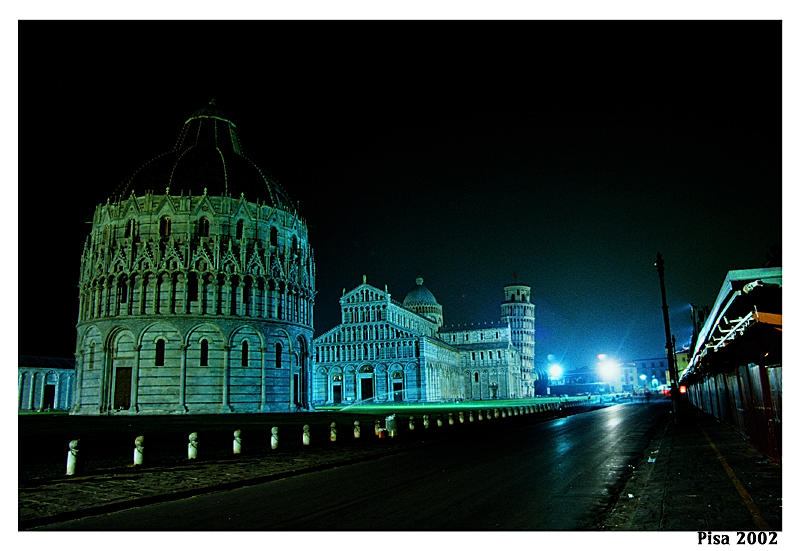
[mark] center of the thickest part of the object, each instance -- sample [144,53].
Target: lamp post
[673,372]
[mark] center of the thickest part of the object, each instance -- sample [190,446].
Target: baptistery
[196,287]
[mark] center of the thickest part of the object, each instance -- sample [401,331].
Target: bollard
[72,457]
[306,435]
[237,442]
[471,418]
[356,430]
[377,427]
[480,415]
[192,449]
[450,420]
[391,425]
[488,414]
[273,441]
[515,411]
[333,431]
[496,413]
[411,422]
[439,422]
[460,416]
[138,451]
[503,413]
[426,421]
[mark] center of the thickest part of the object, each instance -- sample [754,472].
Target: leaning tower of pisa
[196,287]
[518,311]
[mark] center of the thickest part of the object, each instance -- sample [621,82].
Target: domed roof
[207,157]
[419,296]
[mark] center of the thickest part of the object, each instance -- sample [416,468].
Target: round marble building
[196,286]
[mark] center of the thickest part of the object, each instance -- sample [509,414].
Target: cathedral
[197,286]
[196,295]
[385,351]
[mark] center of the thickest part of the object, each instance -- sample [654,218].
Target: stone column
[20,381]
[135,379]
[76,402]
[182,390]
[32,392]
[226,377]
[57,391]
[263,378]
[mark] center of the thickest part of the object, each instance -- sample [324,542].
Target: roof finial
[364,278]
[419,281]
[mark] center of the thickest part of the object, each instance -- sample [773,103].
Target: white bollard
[471,417]
[450,420]
[191,452]
[496,414]
[377,427]
[356,430]
[439,422]
[273,441]
[411,422]
[306,435]
[72,457]
[460,416]
[426,421]
[480,415]
[333,432]
[391,425]
[503,413]
[237,442]
[138,451]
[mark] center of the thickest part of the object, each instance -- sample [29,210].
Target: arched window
[204,353]
[192,287]
[245,354]
[476,376]
[203,227]
[278,354]
[91,355]
[239,229]
[165,226]
[129,228]
[160,345]
[273,236]
[123,291]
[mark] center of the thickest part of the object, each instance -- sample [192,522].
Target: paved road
[556,475]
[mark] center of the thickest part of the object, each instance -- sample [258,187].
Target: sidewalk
[700,475]
[110,490]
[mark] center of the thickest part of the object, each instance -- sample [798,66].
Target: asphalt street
[562,474]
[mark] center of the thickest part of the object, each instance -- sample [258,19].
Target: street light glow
[608,369]
[555,371]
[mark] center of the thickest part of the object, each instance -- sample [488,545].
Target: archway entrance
[336,389]
[366,383]
[397,386]
[122,387]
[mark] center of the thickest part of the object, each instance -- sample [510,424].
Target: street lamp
[555,371]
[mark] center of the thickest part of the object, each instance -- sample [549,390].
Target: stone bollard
[411,422]
[426,421]
[439,422]
[273,441]
[356,430]
[306,435]
[138,451]
[471,417]
[391,425]
[192,448]
[503,413]
[461,417]
[72,457]
[450,420]
[488,414]
[333,431]
[480,415]
[496,413]
[237,442]
[515,411]
[377,427]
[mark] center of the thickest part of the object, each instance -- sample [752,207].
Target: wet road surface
[555,475]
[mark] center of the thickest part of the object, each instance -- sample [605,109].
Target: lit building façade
[196,287]
[386,351]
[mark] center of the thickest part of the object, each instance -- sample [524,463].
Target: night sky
[563,155]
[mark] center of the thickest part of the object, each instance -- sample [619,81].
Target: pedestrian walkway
[67,498]
[700,475]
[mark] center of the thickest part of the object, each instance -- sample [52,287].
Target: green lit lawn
[448,406]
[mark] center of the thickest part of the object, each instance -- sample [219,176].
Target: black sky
[567,153]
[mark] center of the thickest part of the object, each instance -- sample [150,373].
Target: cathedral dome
[419,296]
[207,158]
